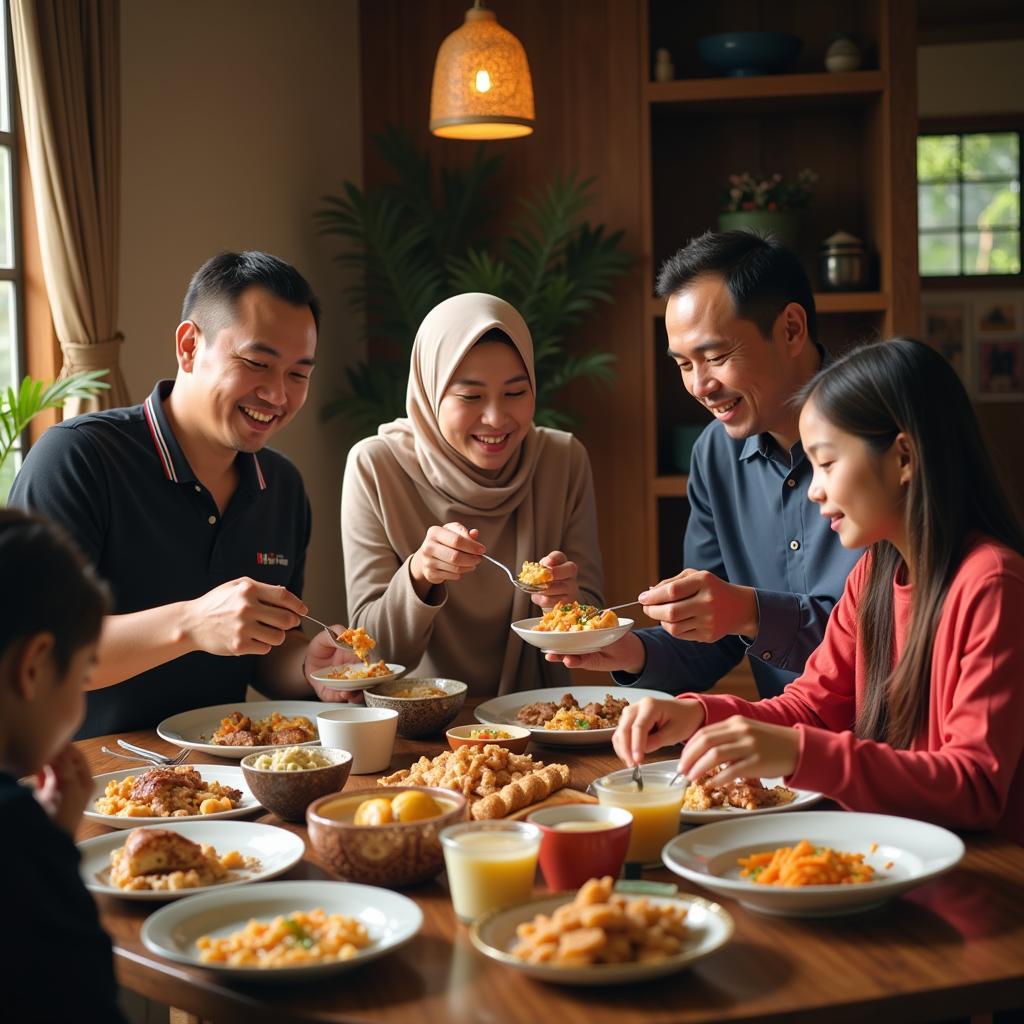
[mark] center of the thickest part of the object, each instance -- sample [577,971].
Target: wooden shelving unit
[856,129]
[807,90]
[670,486]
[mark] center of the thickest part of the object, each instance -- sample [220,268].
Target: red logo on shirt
[270,558]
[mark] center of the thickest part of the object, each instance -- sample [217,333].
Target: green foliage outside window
[969,204]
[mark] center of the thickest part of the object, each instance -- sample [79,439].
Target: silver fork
[169,763]
[151,755]
[526,588]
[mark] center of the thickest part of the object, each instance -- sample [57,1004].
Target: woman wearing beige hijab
[467,472]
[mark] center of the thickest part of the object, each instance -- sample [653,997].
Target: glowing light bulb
[483,81]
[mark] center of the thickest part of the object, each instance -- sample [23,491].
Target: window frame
[968,126]
[12,140]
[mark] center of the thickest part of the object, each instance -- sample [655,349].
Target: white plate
[228,774]
[583,641]
[502,711]
[709,927]
[193,729]
[390,919]
[357,684]
[277,850]
[916,850]
[804,798]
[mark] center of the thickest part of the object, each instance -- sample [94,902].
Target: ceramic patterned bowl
[420,712]
[289,793]
[395,854]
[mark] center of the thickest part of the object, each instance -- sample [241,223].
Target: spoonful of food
[529,581]
[356,640]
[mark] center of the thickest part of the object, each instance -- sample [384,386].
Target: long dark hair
[48,587]
[876,392]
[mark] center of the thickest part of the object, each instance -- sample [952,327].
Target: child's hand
[750,748]
[66,788]
[651,724]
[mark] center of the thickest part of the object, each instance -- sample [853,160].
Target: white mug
[368,734]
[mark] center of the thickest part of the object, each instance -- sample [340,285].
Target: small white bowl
[584,641]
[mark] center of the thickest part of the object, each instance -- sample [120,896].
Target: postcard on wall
[981,333]
[1001,369]
[997,316]
[946,329]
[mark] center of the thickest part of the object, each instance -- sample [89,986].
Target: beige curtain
[68,64]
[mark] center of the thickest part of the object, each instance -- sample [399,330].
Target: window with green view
[968,204]
[10,270]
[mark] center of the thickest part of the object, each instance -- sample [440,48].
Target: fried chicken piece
[242,738]
[568,701]
[150,851]
[167,790]
[716,788]
[163,788]
[537,713]
[290,736]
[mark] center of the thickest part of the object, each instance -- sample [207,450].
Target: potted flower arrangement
[766,203]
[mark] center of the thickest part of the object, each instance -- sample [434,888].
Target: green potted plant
[19,407]
[767,203]
[423,237]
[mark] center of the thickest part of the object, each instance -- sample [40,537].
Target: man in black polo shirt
[200,529]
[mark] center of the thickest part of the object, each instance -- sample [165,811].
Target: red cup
[581,841]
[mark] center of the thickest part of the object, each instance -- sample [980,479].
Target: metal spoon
[526,588]
[335,637]
[638,778]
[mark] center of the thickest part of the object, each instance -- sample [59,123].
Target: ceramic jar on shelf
[843,53]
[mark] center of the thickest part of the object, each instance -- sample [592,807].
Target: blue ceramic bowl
[750,53]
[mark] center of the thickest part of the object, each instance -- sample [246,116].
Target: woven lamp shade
[482,87]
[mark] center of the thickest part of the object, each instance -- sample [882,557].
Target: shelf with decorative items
[792,92]
[841,102]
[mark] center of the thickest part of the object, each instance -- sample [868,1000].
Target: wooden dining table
[953,947]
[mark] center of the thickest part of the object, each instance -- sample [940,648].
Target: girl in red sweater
[914,702]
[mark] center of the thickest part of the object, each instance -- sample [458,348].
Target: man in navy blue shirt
[763,568]
[199,528]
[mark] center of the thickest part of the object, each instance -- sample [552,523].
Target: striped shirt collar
[172,459]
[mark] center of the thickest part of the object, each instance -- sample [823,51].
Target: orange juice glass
[490,864]
[655,808]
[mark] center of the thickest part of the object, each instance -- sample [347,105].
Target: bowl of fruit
[387,836]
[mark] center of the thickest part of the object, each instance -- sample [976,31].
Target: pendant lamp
[482,87]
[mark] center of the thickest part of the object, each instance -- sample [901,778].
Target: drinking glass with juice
[655,808]
[490,864]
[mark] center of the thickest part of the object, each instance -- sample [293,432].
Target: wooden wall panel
[585,61]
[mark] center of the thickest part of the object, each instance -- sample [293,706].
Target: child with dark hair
[51,611]
[913,703]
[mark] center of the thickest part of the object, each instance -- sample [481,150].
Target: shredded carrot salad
[805,864]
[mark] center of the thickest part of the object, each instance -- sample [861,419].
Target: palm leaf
[19,408]
[419,238]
